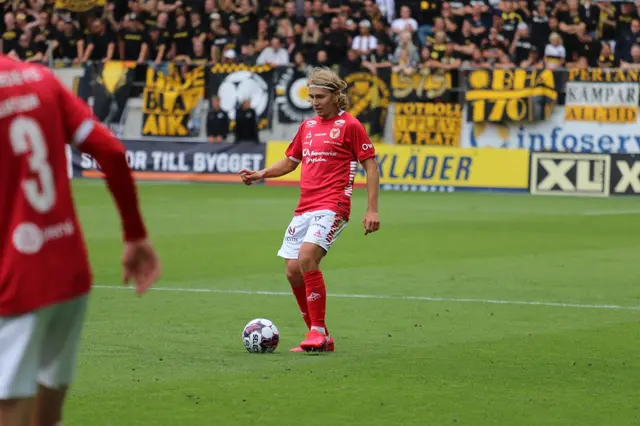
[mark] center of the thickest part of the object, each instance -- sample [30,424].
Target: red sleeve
[96,140]
[294,150]
[361,145]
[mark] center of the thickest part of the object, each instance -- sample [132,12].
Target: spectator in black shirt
[607,59]
[351,63]
[246,129]
[11,33]
[132,40]
[25,52]
[156,46]
[246,17]
[198,28]
[522,44]
[101,43]
[182,43]
[68,43]
[217,122]
[378,59]
[335,42]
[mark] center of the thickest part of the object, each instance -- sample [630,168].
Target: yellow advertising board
[407,167]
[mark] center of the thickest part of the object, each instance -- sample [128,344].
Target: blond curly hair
[326,78]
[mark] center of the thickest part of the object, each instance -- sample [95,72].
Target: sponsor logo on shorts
[28,238]
[318,217]
[317,234]
[291,230]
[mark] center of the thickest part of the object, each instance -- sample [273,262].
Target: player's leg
[21,340]
[58,361]
[291,243]
[324,229]
[294,276]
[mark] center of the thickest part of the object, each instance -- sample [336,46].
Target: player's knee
[308,261]
[294,275]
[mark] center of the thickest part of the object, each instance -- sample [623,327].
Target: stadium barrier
[433,169]
[179,161]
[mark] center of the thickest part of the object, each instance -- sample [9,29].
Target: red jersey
[329,151]
[43,259]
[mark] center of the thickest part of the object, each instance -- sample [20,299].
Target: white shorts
[321,227]
[40,347]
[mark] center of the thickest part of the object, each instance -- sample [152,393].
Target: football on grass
[260,336]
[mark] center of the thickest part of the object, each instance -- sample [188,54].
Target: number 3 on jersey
[25,135]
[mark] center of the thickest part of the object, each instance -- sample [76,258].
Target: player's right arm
[88,135]
[282,167]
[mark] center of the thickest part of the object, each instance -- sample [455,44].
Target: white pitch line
[388,297]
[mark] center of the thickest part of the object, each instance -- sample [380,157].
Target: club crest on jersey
[339,123]
[310,123]
[334,133]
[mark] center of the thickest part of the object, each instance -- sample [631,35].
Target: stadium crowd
[347,34]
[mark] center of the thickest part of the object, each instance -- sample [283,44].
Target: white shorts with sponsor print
[321,227]
[40,347]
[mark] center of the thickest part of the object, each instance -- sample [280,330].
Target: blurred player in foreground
[329,146]
[45,276]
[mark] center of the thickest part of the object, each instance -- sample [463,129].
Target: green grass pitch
[431,327]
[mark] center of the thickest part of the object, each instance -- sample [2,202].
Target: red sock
[301,297]
[316,297]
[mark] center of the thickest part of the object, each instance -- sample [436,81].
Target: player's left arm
[366,154]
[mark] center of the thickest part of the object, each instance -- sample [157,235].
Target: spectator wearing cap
[68,43]
[132,44]
[365,42]
[229,56]
[274,55]
[554,52]
[246,129]
[101,43]
[217,122]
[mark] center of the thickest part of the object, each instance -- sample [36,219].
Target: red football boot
[330,347]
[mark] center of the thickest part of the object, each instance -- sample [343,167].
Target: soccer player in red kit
[44,270]
[328,147]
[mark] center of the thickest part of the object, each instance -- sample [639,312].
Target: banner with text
[426,85]
[233,83]
[426,123]
[554,134]
[602,95]
[78,5]
[433,169]
[181,161]
[171,95]
[369,98]
[511,95]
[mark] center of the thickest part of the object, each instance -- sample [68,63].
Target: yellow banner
[469,168]
[170,98]
[510,95]
[425,123]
